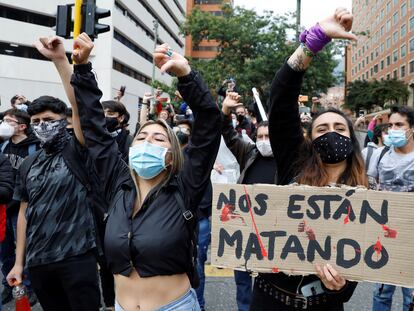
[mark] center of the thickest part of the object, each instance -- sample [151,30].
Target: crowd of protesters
[91,207]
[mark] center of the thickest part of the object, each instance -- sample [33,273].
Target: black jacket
[6,180]
[245,153]
[286,137]
[155,241]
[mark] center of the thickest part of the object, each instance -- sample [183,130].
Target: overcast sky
[312,10]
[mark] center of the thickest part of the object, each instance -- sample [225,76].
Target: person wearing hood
[115,113]
[257,165]
[19,142]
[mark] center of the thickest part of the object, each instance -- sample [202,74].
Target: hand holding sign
[330,277]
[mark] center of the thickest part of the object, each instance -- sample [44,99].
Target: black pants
[263,302]
[107,283]
[68,285]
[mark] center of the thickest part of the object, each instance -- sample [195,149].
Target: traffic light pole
[77,24]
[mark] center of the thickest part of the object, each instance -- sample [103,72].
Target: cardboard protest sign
[367,235]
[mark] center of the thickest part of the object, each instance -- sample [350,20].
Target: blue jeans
[8,251]
[187,302]
[204,237]
[383,297]
[244,289]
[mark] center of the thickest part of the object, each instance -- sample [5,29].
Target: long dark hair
[312,170]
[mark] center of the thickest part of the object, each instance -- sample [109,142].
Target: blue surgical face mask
[397,138]
[147,160]
[387,141]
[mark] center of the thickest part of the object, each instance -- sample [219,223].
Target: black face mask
[333,147]
[111,123]
[240,118]
[182,138]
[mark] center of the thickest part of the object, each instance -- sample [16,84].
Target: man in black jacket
[19,143]
[257,165]
[115,113]
[56,212]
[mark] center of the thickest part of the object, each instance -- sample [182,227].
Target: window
[395,56]
[388,7]
[382,65]
[376,68]
[27,17]
[382,48]
[395,74]
[131,72]
[382,14]
[363,63]
[367,60]
[411,4]
[367,75]
[372,56]
[208,1]
[206,48]
[403,30]
[382,30]
[170,13]
[411,65]
[404,10]
[359,67]
[402,72]
[372,71]
[388,25]
[388,60]
[131,45]
[22,51]
[412,23]
[388,42]
[388,76]
[412,45]
[376,52]
[395,2]
[395,37]
[395,18]
[403,50]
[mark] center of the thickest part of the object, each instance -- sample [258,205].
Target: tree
[367,94]
[251,49]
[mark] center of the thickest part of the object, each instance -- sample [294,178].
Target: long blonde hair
[177,159]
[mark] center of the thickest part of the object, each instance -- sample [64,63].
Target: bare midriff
[147,294]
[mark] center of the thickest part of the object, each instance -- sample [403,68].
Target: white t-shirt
[395,171]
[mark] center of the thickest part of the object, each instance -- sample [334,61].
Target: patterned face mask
[333,147]
[49,131]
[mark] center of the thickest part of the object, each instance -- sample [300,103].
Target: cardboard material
[367,235]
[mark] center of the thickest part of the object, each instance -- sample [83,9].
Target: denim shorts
[187,302]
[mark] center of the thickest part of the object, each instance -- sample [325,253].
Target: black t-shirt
[263,171]
[59,223]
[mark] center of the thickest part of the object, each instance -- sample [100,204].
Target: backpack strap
[383,152]
[26,165]
[4,145]
[369,155]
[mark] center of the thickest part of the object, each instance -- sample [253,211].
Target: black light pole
[298,4]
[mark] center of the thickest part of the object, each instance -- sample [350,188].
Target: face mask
[387,140]
[49,131]
[333,147]
[234,122]
[264,148]
[182,138]
[148,160]
[22,107]
[240,118]
[6,130]
[397,138]
[111,123]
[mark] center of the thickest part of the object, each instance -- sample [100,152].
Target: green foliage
[251,49]
[367,94]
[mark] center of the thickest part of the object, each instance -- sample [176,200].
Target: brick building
[385,47]
[206,49]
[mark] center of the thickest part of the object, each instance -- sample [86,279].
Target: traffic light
[64,21]
[91,17]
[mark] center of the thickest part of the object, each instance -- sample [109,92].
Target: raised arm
[202,149]
[53,49]
[284,123]
[235,142]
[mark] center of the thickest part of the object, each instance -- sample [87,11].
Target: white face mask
[6,130]
[264,148]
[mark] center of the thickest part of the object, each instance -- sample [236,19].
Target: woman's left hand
[168,60]
[330,277]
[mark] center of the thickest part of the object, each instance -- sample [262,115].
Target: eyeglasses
[9,121]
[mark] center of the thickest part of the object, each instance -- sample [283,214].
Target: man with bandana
[56,230]
[257,165]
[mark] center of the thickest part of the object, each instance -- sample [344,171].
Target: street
[221,294]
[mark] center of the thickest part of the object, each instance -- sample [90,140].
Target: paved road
[221,296]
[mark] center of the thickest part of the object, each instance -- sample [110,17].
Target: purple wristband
[314,38]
